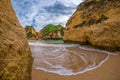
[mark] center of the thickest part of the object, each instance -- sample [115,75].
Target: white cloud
[71,2]
[42,12]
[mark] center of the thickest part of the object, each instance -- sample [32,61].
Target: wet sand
[110,70]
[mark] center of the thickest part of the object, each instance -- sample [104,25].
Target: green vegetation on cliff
[30,32]
[48,29]
[52,31]
[51,28]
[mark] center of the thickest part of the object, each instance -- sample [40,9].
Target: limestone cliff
[15,57]
[95,22]
[52,32]
[31,33]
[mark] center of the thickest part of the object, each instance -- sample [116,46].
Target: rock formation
[15,57]
[52,32]
[31,33]
[95,22]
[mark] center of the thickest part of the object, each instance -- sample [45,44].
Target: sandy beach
[110,70]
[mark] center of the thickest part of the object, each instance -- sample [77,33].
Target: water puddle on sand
[66,59]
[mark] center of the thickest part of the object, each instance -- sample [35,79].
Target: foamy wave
[67,72]
[60,58]
[92,49]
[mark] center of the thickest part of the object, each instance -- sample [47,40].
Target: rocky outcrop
[51,32]
[95,22]
[31,33]
[15,57]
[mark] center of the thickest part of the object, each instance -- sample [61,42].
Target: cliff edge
[95,22]
[31,33]
[15,57]
[51,31]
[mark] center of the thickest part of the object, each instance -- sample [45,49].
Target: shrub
[28,30]
[51,28]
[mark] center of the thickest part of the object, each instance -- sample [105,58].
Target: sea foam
[67,59]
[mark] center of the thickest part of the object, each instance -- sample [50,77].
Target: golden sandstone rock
[95,22]
[15,57]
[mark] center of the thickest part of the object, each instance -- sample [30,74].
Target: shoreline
[107,71]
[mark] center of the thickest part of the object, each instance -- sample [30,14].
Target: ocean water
[66,59]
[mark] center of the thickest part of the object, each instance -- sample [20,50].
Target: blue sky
[42,12]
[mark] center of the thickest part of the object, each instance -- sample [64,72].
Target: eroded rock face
[51,32]
[95,22]
[31,33]
[15,57]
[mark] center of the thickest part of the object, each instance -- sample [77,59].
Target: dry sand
[110,70]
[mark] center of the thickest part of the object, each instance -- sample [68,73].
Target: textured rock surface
[15,57]
[31,33]
[52,32]
[95,22]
